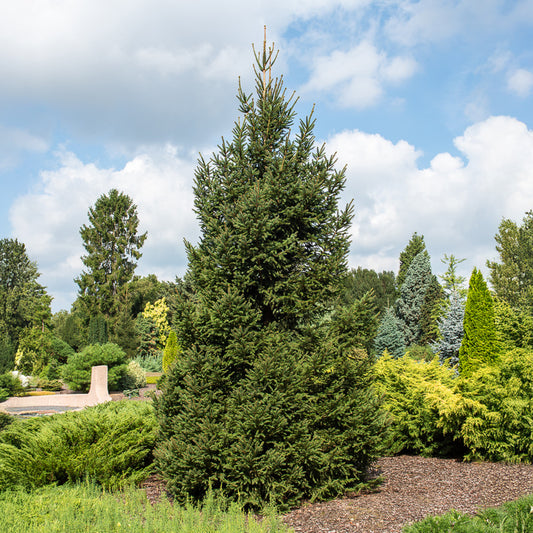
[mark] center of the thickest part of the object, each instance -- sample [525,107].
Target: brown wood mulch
[413,488]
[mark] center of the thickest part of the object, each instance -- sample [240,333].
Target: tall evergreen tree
[415,245]
[112,246]
[24,303]
[412,296]
[361,280]
[479,345]
[390,335]
[266,404]
[512,277]
[431,311]
[451,281]
[451,330]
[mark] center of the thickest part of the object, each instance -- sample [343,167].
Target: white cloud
[357,77]
[456,203]
[520,82]
[48,220]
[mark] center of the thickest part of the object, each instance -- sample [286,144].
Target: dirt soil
[414,488]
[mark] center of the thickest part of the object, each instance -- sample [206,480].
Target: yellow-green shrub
[418,395]
[497,423]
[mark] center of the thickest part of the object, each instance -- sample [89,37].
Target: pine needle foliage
[269,402]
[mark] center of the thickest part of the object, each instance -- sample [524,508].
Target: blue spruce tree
[389,336]
[451,330]
[412,293]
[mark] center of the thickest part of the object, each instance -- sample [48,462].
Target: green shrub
[495,424]
[511,517]
[420,353]
[110,444]
[10,385]
[135,376]
[50,384]
[77,372]
[150,363]
[418,394]
[5,420]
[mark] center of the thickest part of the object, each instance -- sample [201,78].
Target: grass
[87,508]
[511,517]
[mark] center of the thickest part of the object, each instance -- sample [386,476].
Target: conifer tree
[266,403]
[412,295]
[390,336]
[415,245]
[431,311]
[112,246]
[451,330]
[479,345]
[171,351]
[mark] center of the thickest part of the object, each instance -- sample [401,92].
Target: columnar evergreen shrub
[171,351]
[390,336]
[479,345]
[267,402]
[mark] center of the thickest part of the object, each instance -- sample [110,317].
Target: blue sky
[429,103]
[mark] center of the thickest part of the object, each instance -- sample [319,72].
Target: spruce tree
[451,330]
[415,245]
[479,345]
[267,403]
[390,336]
[412,296]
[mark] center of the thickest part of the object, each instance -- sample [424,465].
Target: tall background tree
[512,277]
[24,303]
[269,401]
[415,245]
[479,345]
[361,280]
[113,249]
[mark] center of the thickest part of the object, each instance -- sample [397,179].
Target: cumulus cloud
[48,220]
[457,203]
[357,77]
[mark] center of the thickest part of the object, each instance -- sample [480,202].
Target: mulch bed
[414,488]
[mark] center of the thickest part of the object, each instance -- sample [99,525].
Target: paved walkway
[55,403]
